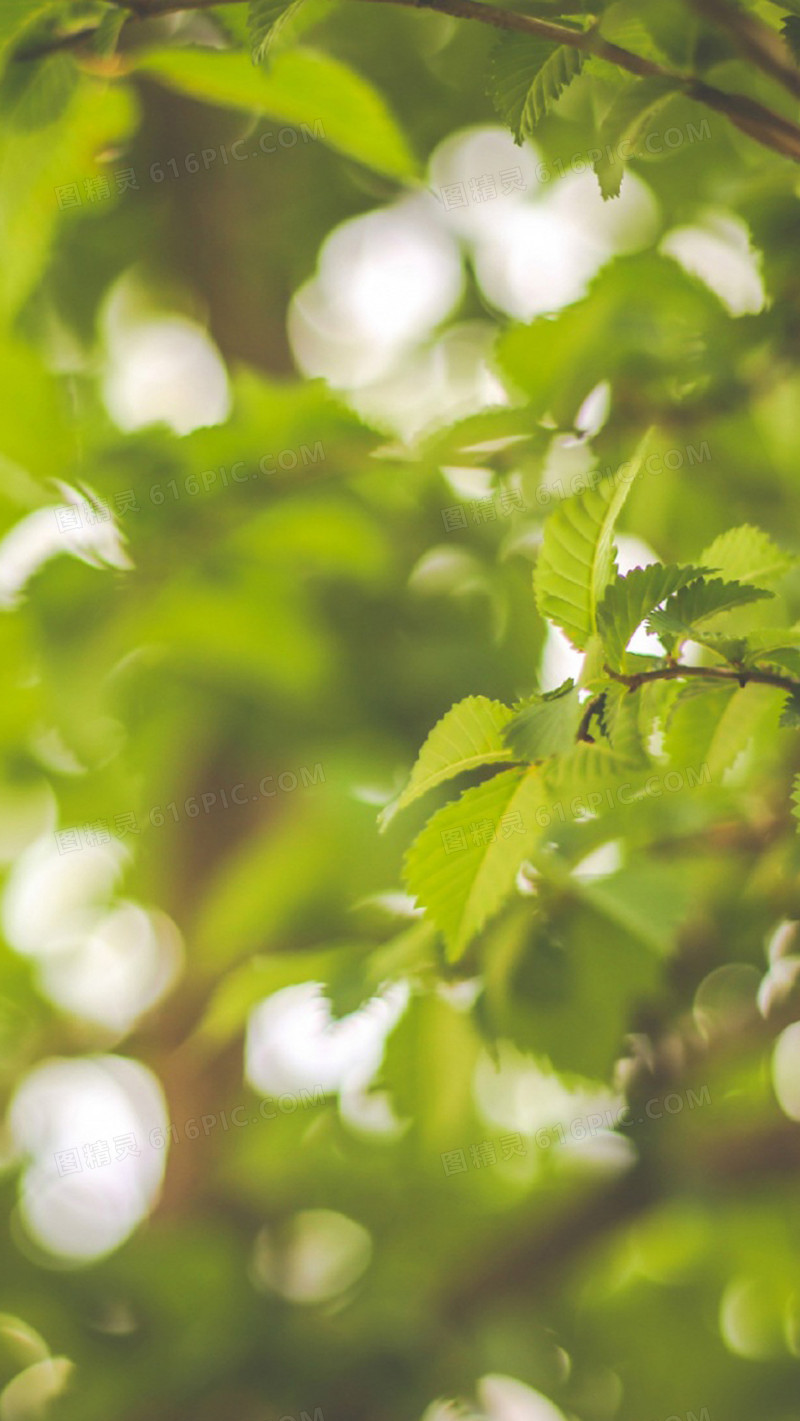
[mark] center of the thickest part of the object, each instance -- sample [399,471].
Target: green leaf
[701,599]
[712,725]
[642,318]
[35,165]
[301,86]
[790,29]
[468,735]
[561,972]
[692,721]
[546,726]
[747,554]
[625,125]
[747,710]
[592,769]
[622,711]
[36,92]
[790,715]
[628,600]
[527,77]
[16,15]
[648,900]
[462,866]
[577,560]
[106,36]
[777,646]
[266,19]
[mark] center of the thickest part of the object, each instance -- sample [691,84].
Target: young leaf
[527,77]
[577,559]
[266,19]
[628,600]
[547,726]
[468,735]
[747,554]
[463,864]
[676,620]
[625,126]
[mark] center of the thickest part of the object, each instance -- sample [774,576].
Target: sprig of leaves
[596,738]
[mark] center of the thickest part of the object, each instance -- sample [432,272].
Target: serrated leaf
[462,866]
[790,715]
[468,735]
[732,648]
[625,124]
[527,77]
[747,554]
[577,559]
[693,604]
[265,20]
[621,715]
[547,726]
[779,648]
[744,713]
[629,599]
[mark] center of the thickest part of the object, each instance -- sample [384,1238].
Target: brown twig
[713,673]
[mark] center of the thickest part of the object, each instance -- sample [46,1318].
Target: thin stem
[713,673]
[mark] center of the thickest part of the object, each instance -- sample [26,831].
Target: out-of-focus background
[271,496]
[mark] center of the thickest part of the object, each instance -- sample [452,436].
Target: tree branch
[713,673]
[748,115]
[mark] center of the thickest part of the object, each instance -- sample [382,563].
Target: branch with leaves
[535,60]
[630,716]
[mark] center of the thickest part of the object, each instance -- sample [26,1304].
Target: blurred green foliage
[574,1163]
